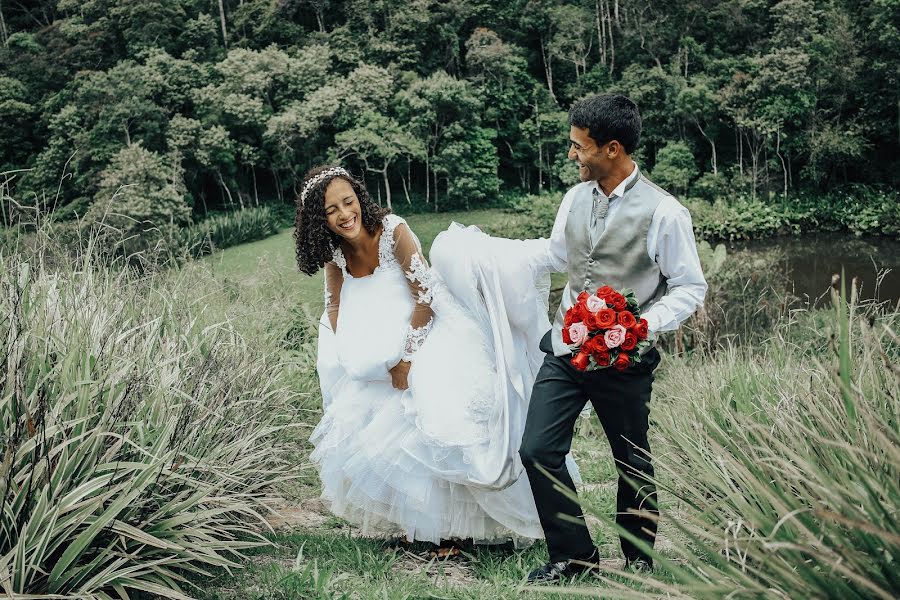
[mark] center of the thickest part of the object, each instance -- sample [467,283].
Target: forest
[180,108]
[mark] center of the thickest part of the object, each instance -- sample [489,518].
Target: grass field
[315,555]
[750,508]
[777,454]
[270,262]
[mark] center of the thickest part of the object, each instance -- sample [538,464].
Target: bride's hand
[399,374]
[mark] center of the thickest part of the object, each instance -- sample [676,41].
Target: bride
[425,370]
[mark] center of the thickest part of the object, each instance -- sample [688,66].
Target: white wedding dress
[440,459]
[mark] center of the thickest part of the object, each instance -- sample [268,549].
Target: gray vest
[619,259]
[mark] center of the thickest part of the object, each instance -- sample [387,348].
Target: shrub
[140,200]
[139,439]
[782,467]
[224,230]
[675,168]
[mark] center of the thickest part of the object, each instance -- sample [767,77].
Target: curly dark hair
[608,117]
[315,242]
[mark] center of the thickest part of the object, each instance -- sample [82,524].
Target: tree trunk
[4,34]
[601,32]
[435,190]
[255,190]
[427,180]
[783,165]
[755,148]
[790,173]
[387,185]
[405,189]
[321,22]
[712,145]
[278,186]
[548,69]
[609,34]
[224,187]
[540,164]
[222,20]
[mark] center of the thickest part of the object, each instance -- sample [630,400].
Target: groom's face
[591,159]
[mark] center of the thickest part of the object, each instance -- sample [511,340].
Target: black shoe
[557,571]
[638,565]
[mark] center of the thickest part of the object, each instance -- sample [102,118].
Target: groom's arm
[671,242]
[557,256]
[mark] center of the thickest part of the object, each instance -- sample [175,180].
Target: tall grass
[781,464]
[140,437]
[225,230]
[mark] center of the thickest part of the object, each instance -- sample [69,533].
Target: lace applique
[415,337]
[339,260]
[424,276]
[386,243]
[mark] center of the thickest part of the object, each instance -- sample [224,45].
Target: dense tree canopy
[439,102]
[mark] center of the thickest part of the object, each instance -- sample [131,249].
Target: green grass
[710,426]
[266,270]
[261,290]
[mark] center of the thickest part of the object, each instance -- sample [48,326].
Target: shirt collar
[623,187]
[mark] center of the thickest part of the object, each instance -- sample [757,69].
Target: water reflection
[810,260]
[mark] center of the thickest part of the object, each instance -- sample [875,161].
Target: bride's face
[342,211]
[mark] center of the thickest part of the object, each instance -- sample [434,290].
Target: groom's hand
[399,374]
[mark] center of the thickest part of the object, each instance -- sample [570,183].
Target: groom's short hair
[608,117]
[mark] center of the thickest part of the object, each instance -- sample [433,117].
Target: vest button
[591,261]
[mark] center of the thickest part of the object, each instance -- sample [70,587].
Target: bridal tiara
[313,182]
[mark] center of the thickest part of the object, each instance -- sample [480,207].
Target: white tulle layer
[382,473]
[439,460]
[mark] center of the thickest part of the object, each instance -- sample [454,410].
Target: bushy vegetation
[862,210]
[224,230]
[141,435]
[781,462]
[439,103]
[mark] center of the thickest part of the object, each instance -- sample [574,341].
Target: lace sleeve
[334,279]
[408,253]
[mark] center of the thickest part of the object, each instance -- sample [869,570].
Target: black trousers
[621,400]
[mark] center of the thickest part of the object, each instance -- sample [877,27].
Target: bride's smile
[342,210]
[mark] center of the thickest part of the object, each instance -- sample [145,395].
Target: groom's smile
[586,154]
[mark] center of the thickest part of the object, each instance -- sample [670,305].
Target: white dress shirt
[670,244]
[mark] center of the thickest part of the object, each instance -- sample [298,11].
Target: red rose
[594,344]
[582,297]
[592,322]
[601,357]
[617,301]
[567,339]
[569,318]
[630,342]
[627,320]
[606,317]
[623,361]
[581,360]
[581,312]
[605,292]
[641,330]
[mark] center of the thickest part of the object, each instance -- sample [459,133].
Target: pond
[810,260]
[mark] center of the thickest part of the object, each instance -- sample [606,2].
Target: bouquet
[605,329]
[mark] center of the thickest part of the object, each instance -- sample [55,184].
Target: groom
[614,228]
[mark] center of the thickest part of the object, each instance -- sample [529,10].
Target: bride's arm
[408,253]
[334,279]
